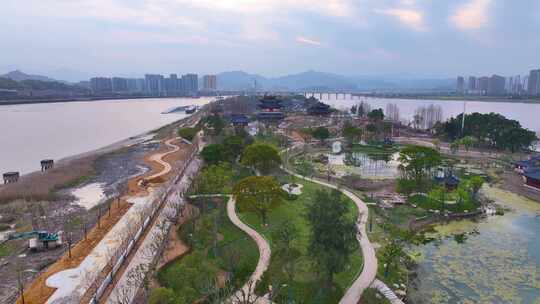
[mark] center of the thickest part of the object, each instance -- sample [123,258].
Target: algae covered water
[497,260]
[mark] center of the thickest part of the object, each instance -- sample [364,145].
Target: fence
[118,259]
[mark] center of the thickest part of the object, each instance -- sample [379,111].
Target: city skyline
[415,38]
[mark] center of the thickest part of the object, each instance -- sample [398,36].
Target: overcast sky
[77,38]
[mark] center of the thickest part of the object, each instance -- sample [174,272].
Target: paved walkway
[364,280]
[264,254]
[387,292]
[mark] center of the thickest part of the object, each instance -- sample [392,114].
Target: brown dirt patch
[38,291]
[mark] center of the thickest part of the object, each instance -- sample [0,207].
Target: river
[525,113]
[497,262]
[57,130]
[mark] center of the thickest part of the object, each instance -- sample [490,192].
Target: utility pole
[463,118]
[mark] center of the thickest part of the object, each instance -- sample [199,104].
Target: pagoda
[319,109]
[270,108]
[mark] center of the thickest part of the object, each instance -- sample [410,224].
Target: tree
[214,153]
[332,233]
[188,133]
[467,142]
[438,194]
[351,133]
[71,224]
[354,109]
[234,145]
[262,157]
[390,253]
[416,163]
[376,115]
[284,236]
[437,144]
[321,133]
[213,179]
[259,194]
[476,182]
[214,123]
[454,146]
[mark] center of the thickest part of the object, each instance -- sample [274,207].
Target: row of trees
[491,130]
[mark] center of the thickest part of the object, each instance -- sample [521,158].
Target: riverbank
[118,168]
[9,102]
[459,98]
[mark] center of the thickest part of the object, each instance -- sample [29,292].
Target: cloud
[304,40]
[408,16]
[472,16]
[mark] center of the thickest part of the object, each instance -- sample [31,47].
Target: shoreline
[457,98]
[85,99]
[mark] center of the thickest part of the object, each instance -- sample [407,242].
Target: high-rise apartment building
[101,85]
[154,84]
[119,85]
[190,84]
[496,85]
[209,82]
[483,84]
[533,86]
[472,83]
[135,85]
[460,85]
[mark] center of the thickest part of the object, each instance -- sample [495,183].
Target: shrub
[188,133]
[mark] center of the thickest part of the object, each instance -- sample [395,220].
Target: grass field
[305,288]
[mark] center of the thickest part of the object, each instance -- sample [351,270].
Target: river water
[526,113]
[497,262]
[34,132]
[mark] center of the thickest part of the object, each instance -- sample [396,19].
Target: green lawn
[236,254]
[427,203]
[5,250]
[306,287]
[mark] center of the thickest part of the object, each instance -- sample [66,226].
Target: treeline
[9,84]
[491,130]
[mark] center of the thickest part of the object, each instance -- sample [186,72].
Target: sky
[76,39]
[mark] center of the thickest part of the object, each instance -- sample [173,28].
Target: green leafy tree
[284,237]
[467,142]
[476,182]
[259,194]
[214,124]
[214,154]
[416,163]
[352,134]
[390,255]
[332,233]
[354,109]
[234,146]
[262,157]
[321,133]
[188,133]
[454,146]
[376,115]
[214,179]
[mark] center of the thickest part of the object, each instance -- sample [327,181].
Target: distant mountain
[20,76]
[313,80]
[240,81]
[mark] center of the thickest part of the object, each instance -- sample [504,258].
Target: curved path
[158,158]
[364,280]
[264,253]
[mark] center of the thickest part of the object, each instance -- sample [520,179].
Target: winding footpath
[369,271]
[264,254]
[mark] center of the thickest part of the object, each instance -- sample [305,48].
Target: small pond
[372,166]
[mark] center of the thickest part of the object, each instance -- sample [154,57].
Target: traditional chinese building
[270,109]
[319,109]
[239,120]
